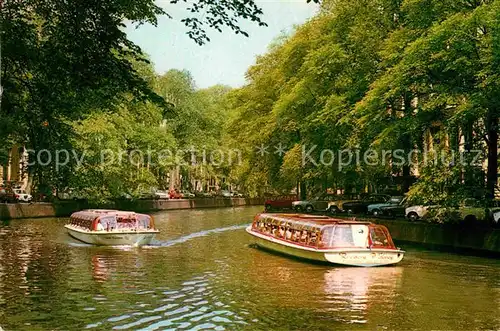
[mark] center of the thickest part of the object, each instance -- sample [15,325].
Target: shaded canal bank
[450,237]
[65,208]
[204,273]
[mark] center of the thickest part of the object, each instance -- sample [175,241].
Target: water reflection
[352,291]
[99,269]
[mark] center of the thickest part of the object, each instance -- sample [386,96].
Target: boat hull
[113,238]
[348,257]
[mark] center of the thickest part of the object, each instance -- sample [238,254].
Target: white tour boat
[111,227]
[326,239]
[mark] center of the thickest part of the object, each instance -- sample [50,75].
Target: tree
[448,73]
[63,61]
[377,75]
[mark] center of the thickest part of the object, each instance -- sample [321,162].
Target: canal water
[202,273]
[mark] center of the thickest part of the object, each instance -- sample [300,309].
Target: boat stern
[368,258]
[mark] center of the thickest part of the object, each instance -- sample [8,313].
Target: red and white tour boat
[326,239]
[111,227]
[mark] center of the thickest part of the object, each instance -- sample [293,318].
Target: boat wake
[188,237]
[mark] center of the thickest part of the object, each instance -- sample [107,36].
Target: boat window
[281,231]
[143,221]
[342,236]
[314,237]
[304,237]
[326,236]
[125,223]
[380,238]
[268,228]
[108,222]
[261,225]
[82,223]
[294,231]
[274,229]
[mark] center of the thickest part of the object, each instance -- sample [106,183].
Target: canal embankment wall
[453,237]
[65,208]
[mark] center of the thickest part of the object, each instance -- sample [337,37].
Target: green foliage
[68,65]
[381,75]
[114,152]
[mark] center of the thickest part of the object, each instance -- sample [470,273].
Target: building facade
[14,172]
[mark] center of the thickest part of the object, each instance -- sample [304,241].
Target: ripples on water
[192,306]
[202,273]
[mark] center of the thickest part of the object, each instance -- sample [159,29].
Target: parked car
[374,209]
[175,194]
[69,194]
[317,204]
[472,210]
[238,194]
[496,217]
[361,206]
[7,195]
[280,202]
[187,194]
[392,210]
[125,196]
[493,208]
[415,213]
[469,210]
[147,196]
[22,196]
[225,194]
[337,205]
[162,195]
[201,194]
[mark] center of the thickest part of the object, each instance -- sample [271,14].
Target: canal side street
[66,208]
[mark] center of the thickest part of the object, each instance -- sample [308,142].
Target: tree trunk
[406,167]
[469,146]
[492,173]
[303,193]
[407,146]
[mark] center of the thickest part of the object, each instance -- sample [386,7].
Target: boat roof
[315,219]
[93,213]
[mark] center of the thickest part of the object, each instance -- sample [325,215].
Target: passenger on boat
[282,232]
[312,239]
[99,226]
[268,229]
[304,236]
